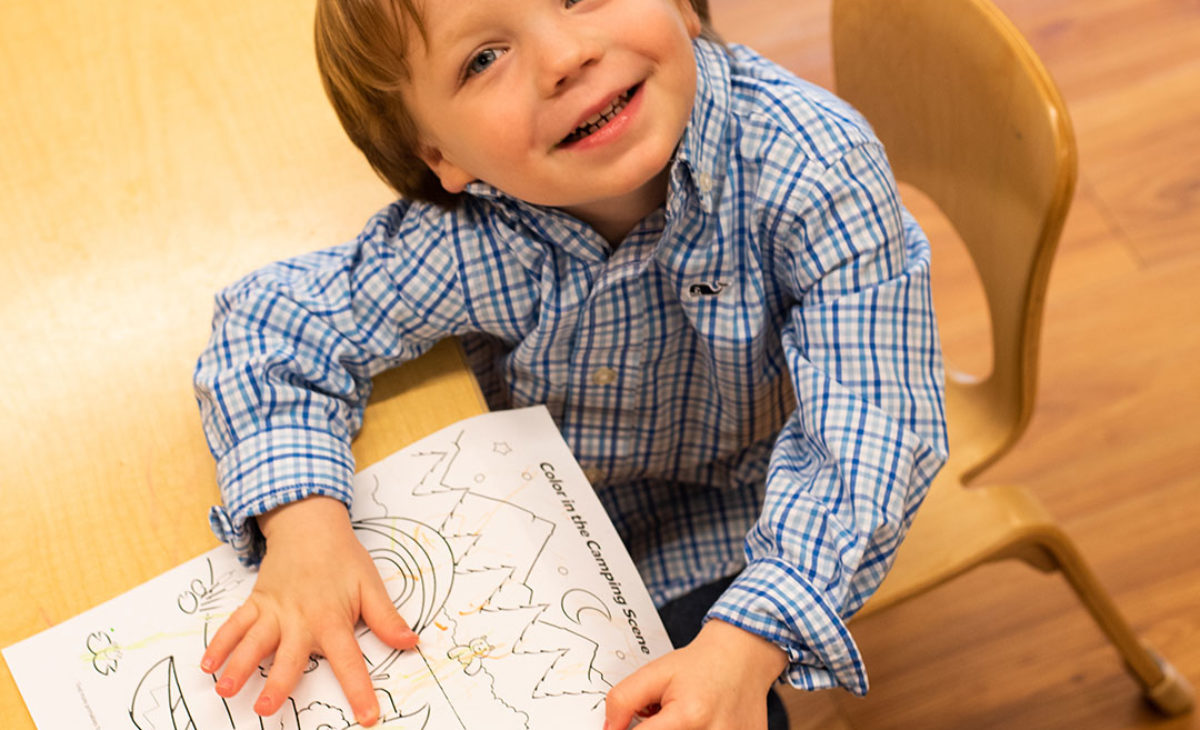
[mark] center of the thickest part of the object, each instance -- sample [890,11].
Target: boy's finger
[228,636]
[671,718]
[637,691]
[381,616]
[258,643]
[346,660]
[291,658]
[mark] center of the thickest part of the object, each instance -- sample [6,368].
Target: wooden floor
[1114,445]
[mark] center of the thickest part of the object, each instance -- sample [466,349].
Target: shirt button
[705,182]
[604,376]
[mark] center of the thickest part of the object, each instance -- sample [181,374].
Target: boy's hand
[718,682]
[314,583]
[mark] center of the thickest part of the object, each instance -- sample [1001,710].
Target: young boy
[696,261]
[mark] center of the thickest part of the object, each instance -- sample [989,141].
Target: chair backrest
[971,118]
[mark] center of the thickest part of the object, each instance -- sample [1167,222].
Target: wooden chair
[970,117]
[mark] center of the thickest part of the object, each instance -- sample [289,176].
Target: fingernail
[206,665]
[225,686]
[366,715]
[263,705]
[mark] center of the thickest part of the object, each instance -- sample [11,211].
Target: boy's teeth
[596,121]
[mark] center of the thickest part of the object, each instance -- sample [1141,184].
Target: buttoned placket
[608,361]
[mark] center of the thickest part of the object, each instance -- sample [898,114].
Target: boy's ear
[453,177]
[690,18]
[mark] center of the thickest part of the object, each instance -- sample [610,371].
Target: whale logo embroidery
[707,288]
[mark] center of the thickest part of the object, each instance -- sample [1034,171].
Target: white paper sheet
[493,546]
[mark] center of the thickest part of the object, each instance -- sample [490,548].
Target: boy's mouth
[603,117]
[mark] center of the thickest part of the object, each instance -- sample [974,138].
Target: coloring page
[493,547]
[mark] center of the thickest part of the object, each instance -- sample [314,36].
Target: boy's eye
[480,61]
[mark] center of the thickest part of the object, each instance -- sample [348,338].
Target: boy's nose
[565,53]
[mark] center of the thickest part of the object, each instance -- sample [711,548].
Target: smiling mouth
[598,121]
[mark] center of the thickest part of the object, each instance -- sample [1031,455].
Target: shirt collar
[543,223]
[705,141]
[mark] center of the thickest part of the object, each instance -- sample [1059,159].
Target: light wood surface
[152,152]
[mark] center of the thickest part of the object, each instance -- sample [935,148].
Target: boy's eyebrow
[457,28]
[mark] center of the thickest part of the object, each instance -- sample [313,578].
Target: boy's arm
[849,469]
[282,388]
[287,373]
[855,459]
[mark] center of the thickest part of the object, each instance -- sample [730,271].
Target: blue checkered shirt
[752,378]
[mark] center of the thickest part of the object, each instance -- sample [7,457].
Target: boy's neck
[614,218]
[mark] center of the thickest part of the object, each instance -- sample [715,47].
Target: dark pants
[682,618]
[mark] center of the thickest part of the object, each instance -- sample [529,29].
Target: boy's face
[501,91]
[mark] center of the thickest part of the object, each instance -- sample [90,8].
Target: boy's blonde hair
[362,46]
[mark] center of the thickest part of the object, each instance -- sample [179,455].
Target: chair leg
[1162,686]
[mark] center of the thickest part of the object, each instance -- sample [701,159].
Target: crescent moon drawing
[578,600]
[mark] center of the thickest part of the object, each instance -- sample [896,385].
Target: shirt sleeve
[287,372]
[856,457]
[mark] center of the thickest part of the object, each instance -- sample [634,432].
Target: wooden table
[151,153]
